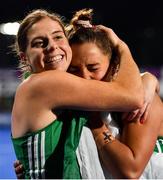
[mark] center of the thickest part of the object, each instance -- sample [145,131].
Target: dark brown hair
[79,34]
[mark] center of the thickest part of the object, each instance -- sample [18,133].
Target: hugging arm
[63,89]
[54,89]
[127,157]
[151,86]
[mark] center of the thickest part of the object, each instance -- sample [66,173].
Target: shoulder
[30,84]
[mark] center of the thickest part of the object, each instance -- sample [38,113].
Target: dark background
[138,23]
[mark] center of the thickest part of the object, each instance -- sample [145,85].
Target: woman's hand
[19,170]
[115,40]
[151,86]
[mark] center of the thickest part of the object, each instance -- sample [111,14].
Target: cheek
[68,52]
[35,60]
[33,53]
[99,76]
[35,57]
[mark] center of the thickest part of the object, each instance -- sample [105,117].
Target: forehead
[87,53]
[44,27]
[87,48]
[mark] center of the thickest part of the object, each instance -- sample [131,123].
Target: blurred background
[138,23]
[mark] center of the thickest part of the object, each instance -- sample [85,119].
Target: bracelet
[104,138]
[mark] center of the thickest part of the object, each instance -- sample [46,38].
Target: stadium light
[9,28]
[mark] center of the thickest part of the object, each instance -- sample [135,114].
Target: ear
[22,56]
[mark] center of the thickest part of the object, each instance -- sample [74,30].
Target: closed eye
[93,68]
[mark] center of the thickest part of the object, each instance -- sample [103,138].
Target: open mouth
[54,59]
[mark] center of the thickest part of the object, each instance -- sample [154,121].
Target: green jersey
[51,151]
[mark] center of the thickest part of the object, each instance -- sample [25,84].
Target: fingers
[111,34]
[142,113]
[144,116]
[16,163]
[130,116]
[139,114]
[19,170]
[20,176]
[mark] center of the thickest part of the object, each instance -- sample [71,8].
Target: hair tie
[84,23]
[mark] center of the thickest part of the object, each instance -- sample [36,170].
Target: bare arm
[150,81]
[151,85]
[127,158]
[58,89]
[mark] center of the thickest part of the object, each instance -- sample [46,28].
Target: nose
[51,45]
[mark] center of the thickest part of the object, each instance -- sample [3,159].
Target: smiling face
[88,61]
[47,47]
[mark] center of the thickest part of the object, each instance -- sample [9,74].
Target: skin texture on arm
[62,86]
[46,49]
[128,66]
[151,85]
[46,89]
[128,157]
[57,89]
[84,70]
[147,78]
[66,90]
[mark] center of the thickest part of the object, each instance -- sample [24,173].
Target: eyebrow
[40,37]
[93,64]
[58,31]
